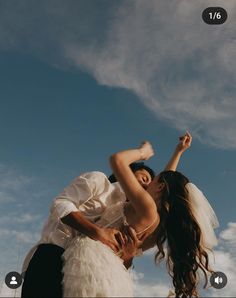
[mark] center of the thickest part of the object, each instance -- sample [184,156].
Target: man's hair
[135,166]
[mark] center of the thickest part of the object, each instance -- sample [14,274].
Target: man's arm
[184,143]
[79,222]
[68,207]
[108,236]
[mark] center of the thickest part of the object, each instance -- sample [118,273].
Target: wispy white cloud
[230,233]
[180,68]
[21,235]
[146,289]
[11,179]
[15,218]
[150,252]
[6,197]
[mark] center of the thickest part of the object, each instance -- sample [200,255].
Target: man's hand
[110,237]
[184,142]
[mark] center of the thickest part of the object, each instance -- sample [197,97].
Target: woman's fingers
[186,139]
[130,235]
[120,238]
[116,248]
[188,134]
[146,150]
[126,234]
[133,236]
[113,244]
[189,137]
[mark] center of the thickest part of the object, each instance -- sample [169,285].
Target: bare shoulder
[145,222]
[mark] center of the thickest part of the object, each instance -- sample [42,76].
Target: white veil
[204,214]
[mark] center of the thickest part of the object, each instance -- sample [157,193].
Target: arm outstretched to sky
[184,143]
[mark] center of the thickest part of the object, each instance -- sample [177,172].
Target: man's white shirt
[92,194]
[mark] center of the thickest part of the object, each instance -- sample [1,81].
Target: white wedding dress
[92,269]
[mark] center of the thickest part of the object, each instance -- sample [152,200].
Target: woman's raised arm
[140,199]
[184,143]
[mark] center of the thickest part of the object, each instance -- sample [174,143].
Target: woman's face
[155,187]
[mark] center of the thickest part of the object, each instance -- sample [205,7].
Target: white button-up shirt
[94,196]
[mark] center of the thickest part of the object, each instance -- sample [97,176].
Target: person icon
[13,281]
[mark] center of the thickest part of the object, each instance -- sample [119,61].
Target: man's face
[143,177]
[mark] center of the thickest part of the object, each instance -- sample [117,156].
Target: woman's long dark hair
[185,254]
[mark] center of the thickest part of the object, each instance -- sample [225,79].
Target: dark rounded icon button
[13,280]
[218,280]
[214,15]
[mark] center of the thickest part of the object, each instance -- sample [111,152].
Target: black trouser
[43,277]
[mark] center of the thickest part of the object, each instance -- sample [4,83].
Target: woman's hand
[146,151]
[132,240]
[184,142]
[132,244]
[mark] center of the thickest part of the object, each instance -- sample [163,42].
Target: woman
[91,268]
[184,218]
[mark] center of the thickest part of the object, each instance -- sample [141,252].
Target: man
[78,209]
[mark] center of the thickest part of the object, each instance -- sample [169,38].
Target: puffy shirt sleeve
[84,188]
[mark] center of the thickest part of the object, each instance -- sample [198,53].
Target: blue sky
[80,81]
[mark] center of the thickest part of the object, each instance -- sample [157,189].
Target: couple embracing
[97,225]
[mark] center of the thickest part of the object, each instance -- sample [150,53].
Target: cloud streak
[143,288]
[10,179]
[179,67]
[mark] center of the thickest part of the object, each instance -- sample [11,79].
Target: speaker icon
[218,280]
